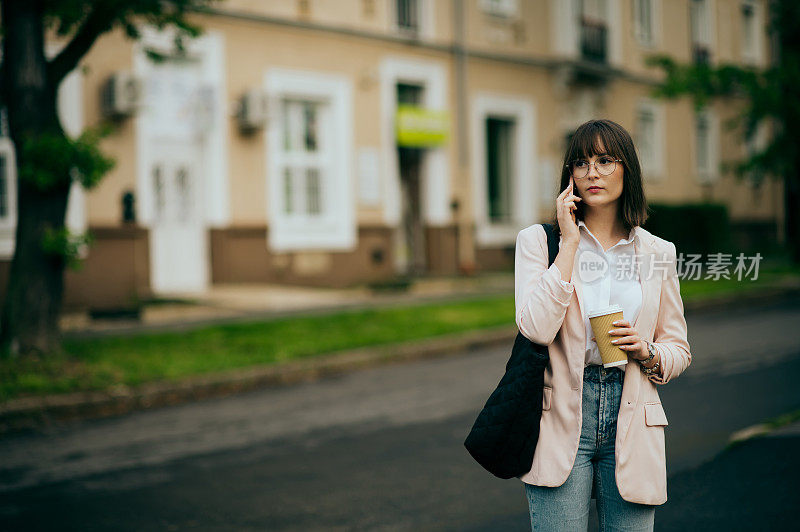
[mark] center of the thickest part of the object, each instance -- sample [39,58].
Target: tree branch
[99,21]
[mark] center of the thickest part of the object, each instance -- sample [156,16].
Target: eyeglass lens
[604,166]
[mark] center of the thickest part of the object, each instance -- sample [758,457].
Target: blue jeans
[566,507]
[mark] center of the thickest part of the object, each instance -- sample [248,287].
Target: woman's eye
[605,160]
[580,164]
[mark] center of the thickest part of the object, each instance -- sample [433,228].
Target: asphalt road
[382,449]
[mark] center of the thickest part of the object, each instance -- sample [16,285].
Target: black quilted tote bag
[503,437]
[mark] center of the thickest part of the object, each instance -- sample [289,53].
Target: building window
[593,30]
[755,146]
[644,21]
[409,94]
[303,158]
[310,197]
[159,194]
[648,134]
[705,147]
[505,167]
[703,143]
[499,169]
[4,130]
[4,179]
[700,20]
[408,15]
[751,49]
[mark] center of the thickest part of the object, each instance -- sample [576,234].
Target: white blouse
[616,283]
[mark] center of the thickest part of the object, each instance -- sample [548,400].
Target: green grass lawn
[101,363]
[700,288]
[98,363]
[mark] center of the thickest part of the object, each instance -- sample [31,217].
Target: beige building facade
[270,151]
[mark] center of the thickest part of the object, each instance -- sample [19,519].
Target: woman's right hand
[565,207]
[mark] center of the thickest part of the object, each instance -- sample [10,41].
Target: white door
[176,123]
[179,254]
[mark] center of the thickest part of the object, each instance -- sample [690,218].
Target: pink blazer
[553,314]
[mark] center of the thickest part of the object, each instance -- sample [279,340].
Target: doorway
[178,240]
[410,161]
[178,235]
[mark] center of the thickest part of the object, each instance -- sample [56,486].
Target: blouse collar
[635,232]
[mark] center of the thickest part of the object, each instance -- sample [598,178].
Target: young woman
[602,430]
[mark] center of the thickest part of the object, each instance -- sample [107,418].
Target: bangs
[593,140]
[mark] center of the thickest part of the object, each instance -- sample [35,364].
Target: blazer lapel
[645,325]
[645,322]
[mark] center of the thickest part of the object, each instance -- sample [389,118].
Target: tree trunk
[36,281]
[29,321]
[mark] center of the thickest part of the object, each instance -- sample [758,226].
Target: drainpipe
[465,250]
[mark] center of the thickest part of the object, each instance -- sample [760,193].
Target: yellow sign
[421,128]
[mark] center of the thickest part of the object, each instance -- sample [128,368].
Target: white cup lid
[602,311]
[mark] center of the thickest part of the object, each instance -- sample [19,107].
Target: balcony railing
[594,41]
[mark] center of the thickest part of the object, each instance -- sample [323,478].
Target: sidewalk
[235,302]
[752,486]
[242,302]
[252,302]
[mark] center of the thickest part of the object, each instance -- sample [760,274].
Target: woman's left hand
[630,340]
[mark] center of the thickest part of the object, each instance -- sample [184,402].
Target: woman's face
[597,189]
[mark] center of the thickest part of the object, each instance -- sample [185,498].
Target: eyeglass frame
[595,167]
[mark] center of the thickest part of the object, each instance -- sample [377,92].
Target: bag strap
[552,243]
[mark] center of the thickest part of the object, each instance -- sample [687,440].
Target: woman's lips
[594,189]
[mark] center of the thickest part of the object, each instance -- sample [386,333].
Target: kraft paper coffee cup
[602,321]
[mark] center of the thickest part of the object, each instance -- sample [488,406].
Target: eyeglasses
[605,165]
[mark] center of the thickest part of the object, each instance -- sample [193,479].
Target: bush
[693,228]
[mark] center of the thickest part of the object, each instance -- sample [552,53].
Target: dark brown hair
[584,143]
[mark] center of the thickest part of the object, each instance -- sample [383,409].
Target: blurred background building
[332,143]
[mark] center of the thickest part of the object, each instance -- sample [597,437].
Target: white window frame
[525,204]
[335,227]
[500,8]
[8,223]
[753,54]
[711,173]
[654,167]
[598,11]
[564,21]
[648,41]
[707,35]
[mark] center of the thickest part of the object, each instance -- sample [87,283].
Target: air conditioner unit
[252,112]
[121,95]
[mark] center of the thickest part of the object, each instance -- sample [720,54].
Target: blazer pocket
[654,415]
[547,397]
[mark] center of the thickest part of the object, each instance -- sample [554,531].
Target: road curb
[768,428]
[747,433]
[32,413]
